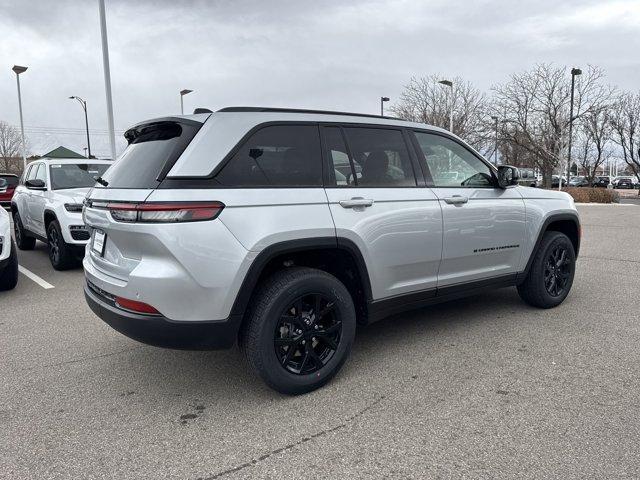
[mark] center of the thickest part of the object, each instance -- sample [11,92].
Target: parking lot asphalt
[485,387]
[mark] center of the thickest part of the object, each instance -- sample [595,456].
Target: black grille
[80,235]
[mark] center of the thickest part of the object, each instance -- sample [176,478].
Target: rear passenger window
[380,158]
[276,156]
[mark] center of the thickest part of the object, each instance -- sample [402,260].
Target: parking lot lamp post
[382,100]
[182,94]
[86,119]
[449,83]
[18,70]
[107,77]
[574,73]
[495,158]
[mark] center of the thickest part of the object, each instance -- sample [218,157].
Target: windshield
[76,175]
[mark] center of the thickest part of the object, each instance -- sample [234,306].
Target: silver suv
[283,229]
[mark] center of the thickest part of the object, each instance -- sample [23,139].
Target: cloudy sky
[340,55]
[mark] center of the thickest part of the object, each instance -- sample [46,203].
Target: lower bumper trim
[159,331]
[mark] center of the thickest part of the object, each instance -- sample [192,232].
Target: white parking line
[44,284]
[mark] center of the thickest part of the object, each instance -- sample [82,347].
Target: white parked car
[47,206]
[8,255]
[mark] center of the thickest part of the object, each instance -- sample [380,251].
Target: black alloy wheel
[307,334]
[557,270]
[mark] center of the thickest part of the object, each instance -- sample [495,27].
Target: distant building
[62,152]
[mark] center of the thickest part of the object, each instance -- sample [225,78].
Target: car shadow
[217,375]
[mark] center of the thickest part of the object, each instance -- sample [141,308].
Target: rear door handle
[456,200]
[356,202]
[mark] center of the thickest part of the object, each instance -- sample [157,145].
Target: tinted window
[277,156]
[340,166]
[75,175]
[152,151]
[451,164]
[380,157]
[11,180]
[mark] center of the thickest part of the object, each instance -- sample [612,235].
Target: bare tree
[424,100]
[625,122]
[10,147]
[534,106]
[595,137]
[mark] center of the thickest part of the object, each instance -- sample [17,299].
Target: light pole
[495,161]
[86,120]
[382,100]
[182,94]
[107,77]
[18,70]
[449,83]
[574,72]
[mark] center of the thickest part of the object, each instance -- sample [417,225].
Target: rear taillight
[163,212]
[135,306]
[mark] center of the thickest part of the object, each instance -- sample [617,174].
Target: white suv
[284,228]
[8,255]
[47,205]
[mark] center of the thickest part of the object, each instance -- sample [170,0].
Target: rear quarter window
[276,156]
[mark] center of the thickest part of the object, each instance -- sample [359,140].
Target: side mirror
[508,176]
[35,184]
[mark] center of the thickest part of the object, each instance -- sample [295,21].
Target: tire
[9,276]
[283,317]
[551,275]
[23,240]
[61,254]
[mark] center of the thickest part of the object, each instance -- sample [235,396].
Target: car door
[37,202]
[24,199]
[377,203]
[484,226]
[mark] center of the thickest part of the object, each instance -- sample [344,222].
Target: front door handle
[356,202]
[456,200]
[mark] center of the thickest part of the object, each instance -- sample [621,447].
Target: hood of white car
[72,195]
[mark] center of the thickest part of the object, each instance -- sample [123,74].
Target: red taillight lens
[165,212]
[136,306]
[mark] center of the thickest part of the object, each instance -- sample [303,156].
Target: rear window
[153,149]
[11,180]
[276,156]
[69,175]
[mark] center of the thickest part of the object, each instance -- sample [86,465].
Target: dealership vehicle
[47,206]
[578,182]
[555,180]
[8,254]
[6,192]
[600,182]
[528,177]
[243,225]
[623,182]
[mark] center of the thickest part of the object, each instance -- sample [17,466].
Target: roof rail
[299,110]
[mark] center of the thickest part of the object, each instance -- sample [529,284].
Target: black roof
[299,110]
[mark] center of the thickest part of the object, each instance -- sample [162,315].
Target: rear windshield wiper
[102,181]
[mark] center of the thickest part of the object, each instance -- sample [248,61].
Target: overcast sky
[340,55]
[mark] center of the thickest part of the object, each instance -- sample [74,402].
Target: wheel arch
[567,223]
[338,256]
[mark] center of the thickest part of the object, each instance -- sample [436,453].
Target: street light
[449,83]
[86,119]
[495,161]
[107,77]
[574,73]
[182,94]
[18,70]
[382,100]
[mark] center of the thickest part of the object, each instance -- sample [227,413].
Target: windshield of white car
[76,175]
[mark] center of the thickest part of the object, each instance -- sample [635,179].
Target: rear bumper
[162,332]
